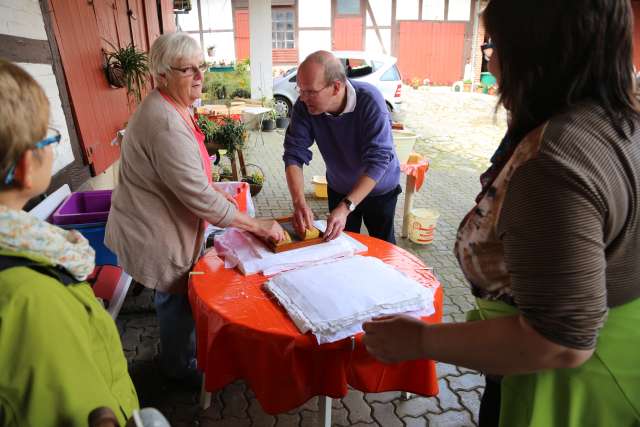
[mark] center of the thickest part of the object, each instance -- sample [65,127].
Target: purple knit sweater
[351,144]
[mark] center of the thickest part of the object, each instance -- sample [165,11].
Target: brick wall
[23,20]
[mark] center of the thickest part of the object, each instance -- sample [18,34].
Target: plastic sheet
[242,333]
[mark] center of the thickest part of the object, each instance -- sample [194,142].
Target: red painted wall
[431,50]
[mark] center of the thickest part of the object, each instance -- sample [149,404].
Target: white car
[377,69]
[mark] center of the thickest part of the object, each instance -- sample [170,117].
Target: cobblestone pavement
[458,133]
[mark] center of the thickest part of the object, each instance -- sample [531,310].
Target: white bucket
[404,141]
[422,225]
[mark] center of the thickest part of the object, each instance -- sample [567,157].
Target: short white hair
[168,49]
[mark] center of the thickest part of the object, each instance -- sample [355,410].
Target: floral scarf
[24,233]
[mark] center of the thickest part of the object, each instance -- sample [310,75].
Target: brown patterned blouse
[556,233]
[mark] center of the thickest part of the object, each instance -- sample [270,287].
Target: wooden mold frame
[296,243]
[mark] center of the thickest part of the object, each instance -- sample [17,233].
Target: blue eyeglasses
[53,137]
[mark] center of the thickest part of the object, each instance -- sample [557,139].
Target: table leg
[410,189]
[205,396]
[325,411]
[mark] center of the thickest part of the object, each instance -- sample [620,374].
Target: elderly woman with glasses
[552,248]
[60,352]
[164,198]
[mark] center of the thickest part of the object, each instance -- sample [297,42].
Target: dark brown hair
[555,54]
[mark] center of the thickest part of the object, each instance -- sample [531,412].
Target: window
[282,29]
[348,7]
[391,75]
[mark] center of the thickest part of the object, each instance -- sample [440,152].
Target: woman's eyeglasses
[53,137]
[191,70]
[486,46]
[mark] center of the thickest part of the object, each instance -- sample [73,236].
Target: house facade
[62,44]
[432,39]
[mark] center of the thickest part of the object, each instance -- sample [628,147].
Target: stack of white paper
[332,301]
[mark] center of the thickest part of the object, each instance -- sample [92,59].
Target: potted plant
[415,83]
[255,178]
[467,85]
[479,88]
[127,67]
[269,121]
[492,90]
[282,122]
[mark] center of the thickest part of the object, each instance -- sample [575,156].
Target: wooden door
[84,31]
[431,50]
[242,34]
[348,25]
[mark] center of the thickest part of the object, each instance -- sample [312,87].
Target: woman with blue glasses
[60,352]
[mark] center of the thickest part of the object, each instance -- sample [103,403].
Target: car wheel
[389,107]
[282,106]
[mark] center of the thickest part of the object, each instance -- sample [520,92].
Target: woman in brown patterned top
[552,248]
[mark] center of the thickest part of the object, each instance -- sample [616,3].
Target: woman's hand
[269,229]
[228,196]
[393,339]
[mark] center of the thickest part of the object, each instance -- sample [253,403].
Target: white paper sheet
[250,255]
[334,302]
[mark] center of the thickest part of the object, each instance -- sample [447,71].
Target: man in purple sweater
[351,125]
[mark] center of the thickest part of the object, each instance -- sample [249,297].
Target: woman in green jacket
[60,352]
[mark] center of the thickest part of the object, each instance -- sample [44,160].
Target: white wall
[407,9]
[433,10]
[311,40]
[23,18]
[372,44]
[260,48]
[381,11]
[314,13]
[216,15]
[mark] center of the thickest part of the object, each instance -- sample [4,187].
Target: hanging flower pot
[115,75]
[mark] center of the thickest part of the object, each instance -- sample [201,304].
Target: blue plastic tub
[95,235]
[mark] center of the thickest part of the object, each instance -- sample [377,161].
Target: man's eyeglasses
[53,137]
[191,70]
[311,93]
[486,46]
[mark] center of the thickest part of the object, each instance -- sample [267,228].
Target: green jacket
[60,353]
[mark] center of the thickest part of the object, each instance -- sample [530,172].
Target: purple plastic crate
[83,207]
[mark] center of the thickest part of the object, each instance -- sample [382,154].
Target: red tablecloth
[242,333]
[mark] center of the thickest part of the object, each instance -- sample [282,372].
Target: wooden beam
[204,49]
[21,49]
[375,26]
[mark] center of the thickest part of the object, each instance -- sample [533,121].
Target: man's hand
[336,222]
[393,339]
[269,229]
[302,218]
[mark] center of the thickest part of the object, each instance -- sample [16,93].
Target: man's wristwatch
[350,205]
